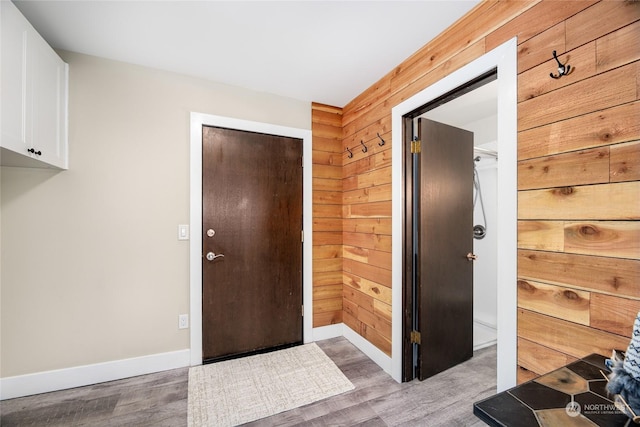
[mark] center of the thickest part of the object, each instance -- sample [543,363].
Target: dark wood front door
[445,236]
[251,214]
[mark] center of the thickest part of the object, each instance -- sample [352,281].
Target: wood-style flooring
[161,399]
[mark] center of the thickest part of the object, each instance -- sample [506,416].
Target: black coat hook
[381,143]
[350,155]
[563,70]
[364,147]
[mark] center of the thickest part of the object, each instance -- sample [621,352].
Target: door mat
[241,390]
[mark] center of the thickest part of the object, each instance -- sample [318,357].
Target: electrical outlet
[183,321]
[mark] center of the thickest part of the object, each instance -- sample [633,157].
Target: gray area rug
[241,390]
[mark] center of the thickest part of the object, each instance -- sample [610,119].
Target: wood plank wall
[326,129]
[578,174]
[579,189]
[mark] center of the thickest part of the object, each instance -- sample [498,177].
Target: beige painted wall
[92,270]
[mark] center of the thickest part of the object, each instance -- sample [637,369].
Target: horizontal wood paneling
[604,238]
[368,256]
[541,235]
[612,276]
[610,15]
[567,337]
[619,201]
[371,241]
[368,210]
[373,194]
[600,128]
[537,49]
[540,17]
[576,168]
[326,129]
[327,251]
[536,81]
[523,375]
[618,48]
[327,291]
[578,230]
[614,314]
[375,290]
[563,303]
[578,193]
[322,184]
[619,239]
[327,211]
[327,224]
[327,278]
[540,359]
[368,225]
[326,171]
[625,162]
[553,106]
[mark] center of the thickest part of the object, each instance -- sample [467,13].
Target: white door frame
[195,218]
[504,59]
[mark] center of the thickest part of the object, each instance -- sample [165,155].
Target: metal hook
[350,155]
[563,70]
[381,143]
[364,147]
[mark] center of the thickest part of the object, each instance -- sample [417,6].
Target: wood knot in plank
[525,286]
[570,295]
[606,136]
[615,282]
[563,191]
[589,230]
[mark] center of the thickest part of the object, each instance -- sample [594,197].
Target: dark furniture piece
[573,395]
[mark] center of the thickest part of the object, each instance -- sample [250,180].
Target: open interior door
[444,258]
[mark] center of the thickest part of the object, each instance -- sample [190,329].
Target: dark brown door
[251,214]
[445,234]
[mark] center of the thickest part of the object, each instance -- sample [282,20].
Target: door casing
[195,219]
[504,59]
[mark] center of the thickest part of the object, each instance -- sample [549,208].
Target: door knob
[211,256]
[472,257]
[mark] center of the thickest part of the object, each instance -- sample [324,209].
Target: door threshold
[249,353]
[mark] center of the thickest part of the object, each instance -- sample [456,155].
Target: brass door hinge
[416,337]
[416,146]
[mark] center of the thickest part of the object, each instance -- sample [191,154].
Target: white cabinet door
[33,114]
[14,79]
[48,81]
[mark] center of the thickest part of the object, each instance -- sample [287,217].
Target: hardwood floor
[161,399]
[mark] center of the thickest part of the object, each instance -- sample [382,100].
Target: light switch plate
[183,232]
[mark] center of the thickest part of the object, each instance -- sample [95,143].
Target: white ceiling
[323,51]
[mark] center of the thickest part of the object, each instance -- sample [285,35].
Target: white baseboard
[60,379]
[342,330]
[326,332]
[371,351]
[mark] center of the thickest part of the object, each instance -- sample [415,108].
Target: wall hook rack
[364,147]
[350,155]
[381,143]
[563,69]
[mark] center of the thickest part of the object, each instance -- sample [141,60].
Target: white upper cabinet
[33,88]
